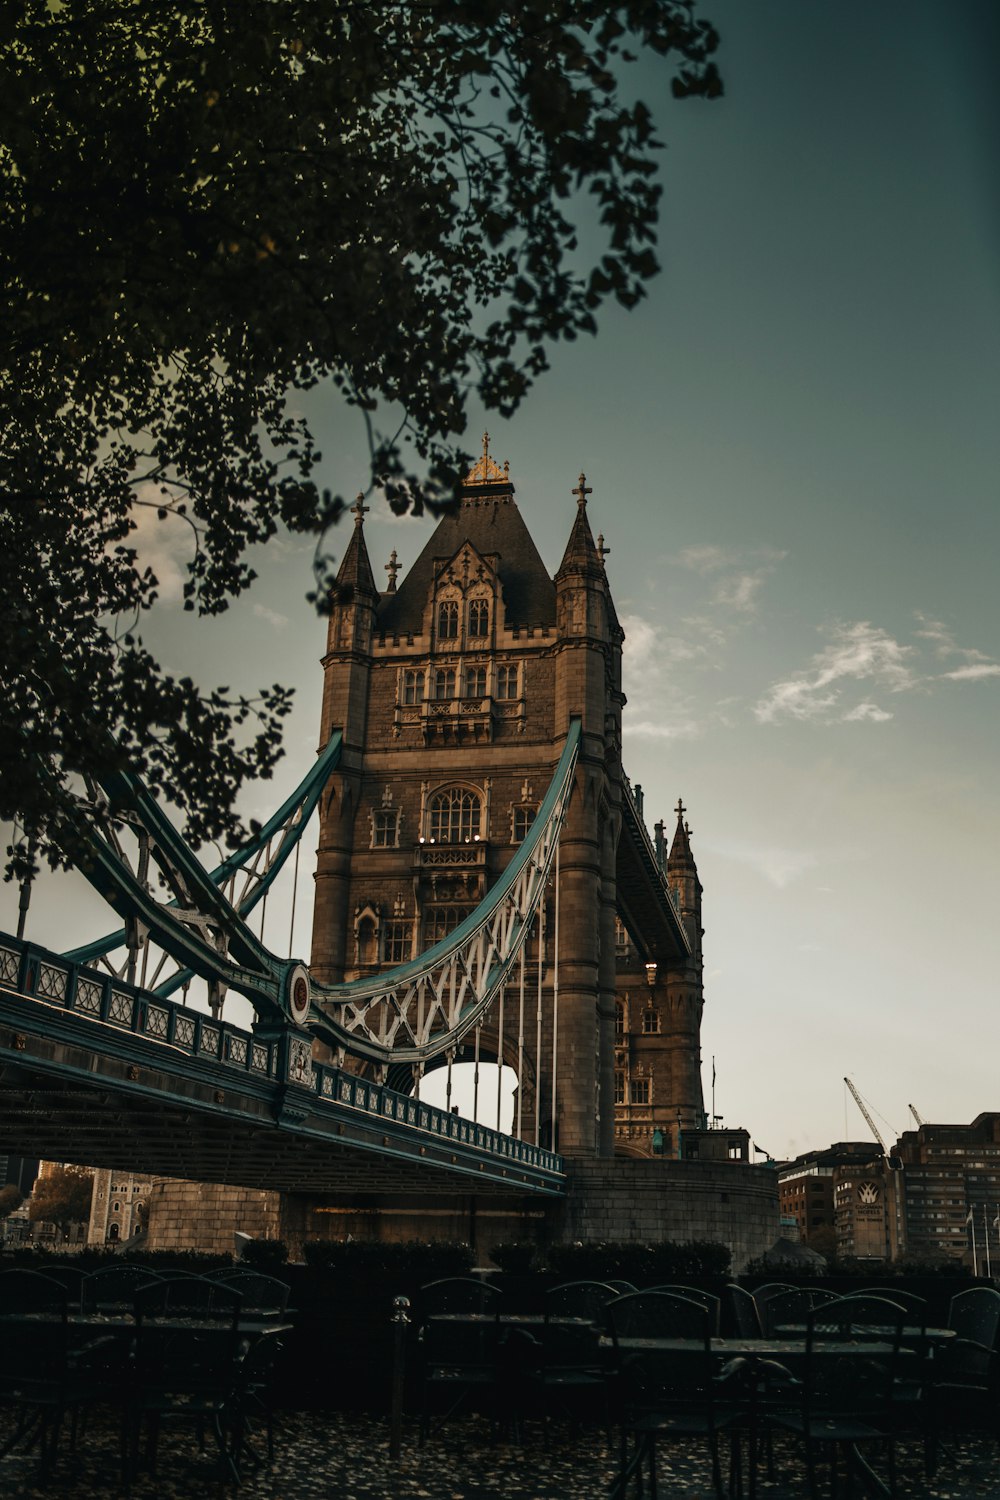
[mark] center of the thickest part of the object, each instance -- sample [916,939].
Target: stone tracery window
[455,815]
[479,617]
[507,681]
[444,683]
[448,620]
[475,682]
[440,921]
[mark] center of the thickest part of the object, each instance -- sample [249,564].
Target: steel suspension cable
[555,1001]
[520,1042]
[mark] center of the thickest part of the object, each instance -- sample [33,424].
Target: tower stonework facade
[454,692]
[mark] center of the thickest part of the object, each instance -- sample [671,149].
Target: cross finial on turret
[359,509]
[602,551]
[392,568]
[582,491]
[680,809]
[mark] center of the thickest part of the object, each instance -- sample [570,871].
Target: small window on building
[639,1091]
[385,827]
[507,681]
[619,1020]
[440,921]
[455,816]
[396,942]
[650,1022]
[479,618]
[413,687]
[619,1088]
[444,682]
[621,936]
[448,620]
[523,819]
[475,682]
[735,1151]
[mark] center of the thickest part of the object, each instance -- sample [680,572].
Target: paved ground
[339,1457]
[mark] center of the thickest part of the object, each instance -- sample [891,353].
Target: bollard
[400,1318]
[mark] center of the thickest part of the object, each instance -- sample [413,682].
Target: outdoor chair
[113,1288]
[186,1365]
[762,1294]
[666,1385]
[257,1290]
[254,1403]
[975,1315]
[845,1396]
[71,1277]
[791,1308]
[740,1312]
[568,1373]
[693,1294]
[39,1380]
[457,1346]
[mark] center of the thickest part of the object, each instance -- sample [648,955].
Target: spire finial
[359,509]
[602,551]
[582,491]
[680,809]
[392,568]
[486,470]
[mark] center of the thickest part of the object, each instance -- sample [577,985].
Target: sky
[793,451]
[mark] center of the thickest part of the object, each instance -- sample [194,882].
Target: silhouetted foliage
[11,1197]
[644,1265]
[207,210]
[264,1255]
[412,1259]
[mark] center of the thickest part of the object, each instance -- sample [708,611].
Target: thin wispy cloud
[271,616]
[858,653]
[973,672]
[738,573]
[867,711]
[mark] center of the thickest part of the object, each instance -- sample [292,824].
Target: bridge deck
[101,1072]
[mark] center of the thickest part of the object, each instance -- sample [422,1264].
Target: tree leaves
[207,209]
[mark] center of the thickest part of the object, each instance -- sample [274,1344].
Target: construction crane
[868,1119]
[914,1114]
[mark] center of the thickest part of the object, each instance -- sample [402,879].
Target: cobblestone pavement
[346,1456]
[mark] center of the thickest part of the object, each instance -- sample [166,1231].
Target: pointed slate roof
[355,572]
[581,549]
[488,518]
[680,849]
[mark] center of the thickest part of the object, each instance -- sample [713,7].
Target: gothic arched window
[455,815]
[479,617]
[448,620]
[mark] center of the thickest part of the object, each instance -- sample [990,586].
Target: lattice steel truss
[424,1008]
[409,1014]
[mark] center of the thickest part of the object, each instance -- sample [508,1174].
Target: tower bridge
[485,887]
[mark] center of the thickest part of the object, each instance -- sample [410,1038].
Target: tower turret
[347,668]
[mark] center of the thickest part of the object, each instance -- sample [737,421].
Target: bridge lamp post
[657,1142]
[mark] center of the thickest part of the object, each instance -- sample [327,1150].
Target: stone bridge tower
[454,689]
